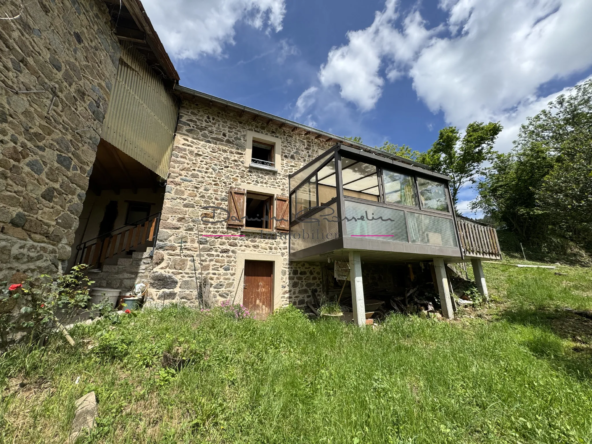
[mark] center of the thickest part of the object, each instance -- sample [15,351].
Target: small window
[262,154]
[137,213]
[259,212]
[432,195]
[399,189]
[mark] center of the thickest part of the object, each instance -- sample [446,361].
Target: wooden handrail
[96,251]
[478,241]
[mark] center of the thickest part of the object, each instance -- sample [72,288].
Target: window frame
[271,217]
[253,137]
[449,211]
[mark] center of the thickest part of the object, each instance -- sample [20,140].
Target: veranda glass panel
[327,183]
[375,222]
[319,228]
[306,197]
[360,180]
[299,178]
[399,189]
[432,195]
[431,230]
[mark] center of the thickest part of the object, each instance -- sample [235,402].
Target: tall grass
[290,379]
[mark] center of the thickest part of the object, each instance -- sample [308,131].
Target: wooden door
[258,288]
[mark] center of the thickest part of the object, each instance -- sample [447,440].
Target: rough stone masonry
[208,159]
[58,64]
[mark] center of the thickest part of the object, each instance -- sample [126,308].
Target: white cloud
[305,101]
[487,62]
[355,67]
[193,28]
[286,49]
[464,208]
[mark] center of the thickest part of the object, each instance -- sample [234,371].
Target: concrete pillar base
[357,288]
[480,278]
[443,288]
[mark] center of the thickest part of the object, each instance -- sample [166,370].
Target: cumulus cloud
[356,67]
[193,28]
[305,101]
[488,61]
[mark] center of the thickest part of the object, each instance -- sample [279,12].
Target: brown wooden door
[258,288]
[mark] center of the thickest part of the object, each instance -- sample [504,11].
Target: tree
[565,195]
[462,158]
[401,151]
[507,193]
[542,191]
[398,150]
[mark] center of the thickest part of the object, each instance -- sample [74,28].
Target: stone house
[106,160]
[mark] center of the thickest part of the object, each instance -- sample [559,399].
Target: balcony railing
[94,252]
[262,163]
[478,241]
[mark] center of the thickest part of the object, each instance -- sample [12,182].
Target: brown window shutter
[236,208]
[282,213]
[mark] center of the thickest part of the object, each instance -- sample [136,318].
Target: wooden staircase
[96,251]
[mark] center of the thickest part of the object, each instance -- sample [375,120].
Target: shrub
[36,308]
[236,311]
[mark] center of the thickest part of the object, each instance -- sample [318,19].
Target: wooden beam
[130,35]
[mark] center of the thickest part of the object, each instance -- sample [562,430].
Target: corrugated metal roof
[142,116]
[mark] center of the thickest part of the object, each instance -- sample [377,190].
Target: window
[262,154]
[399,189]
[259,211]
[432,195]
[137,213]
[359,180]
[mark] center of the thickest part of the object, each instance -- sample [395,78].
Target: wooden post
[357,286]
[480,278]
[443,288]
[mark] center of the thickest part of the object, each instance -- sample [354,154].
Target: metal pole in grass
[238,285]
[201,285]
[523,251]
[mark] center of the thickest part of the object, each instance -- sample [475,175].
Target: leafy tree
[401,151]
[565,128]
[507,194]
[462,158]
[398,150]
[543,190]
[356,139]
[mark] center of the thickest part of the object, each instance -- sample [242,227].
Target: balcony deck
[387,210]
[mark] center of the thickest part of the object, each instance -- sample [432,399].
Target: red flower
[15,287]
[42,305]
[128,311]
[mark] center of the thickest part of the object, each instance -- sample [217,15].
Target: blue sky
[382,69]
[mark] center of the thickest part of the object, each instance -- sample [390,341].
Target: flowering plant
[236,311]
[37,306]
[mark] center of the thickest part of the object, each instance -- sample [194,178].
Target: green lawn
[519,370]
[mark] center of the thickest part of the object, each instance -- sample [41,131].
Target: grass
[516,371]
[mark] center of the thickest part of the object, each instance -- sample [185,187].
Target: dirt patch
[573,327]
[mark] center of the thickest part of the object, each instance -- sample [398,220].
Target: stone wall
[208,159]
[65,52]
